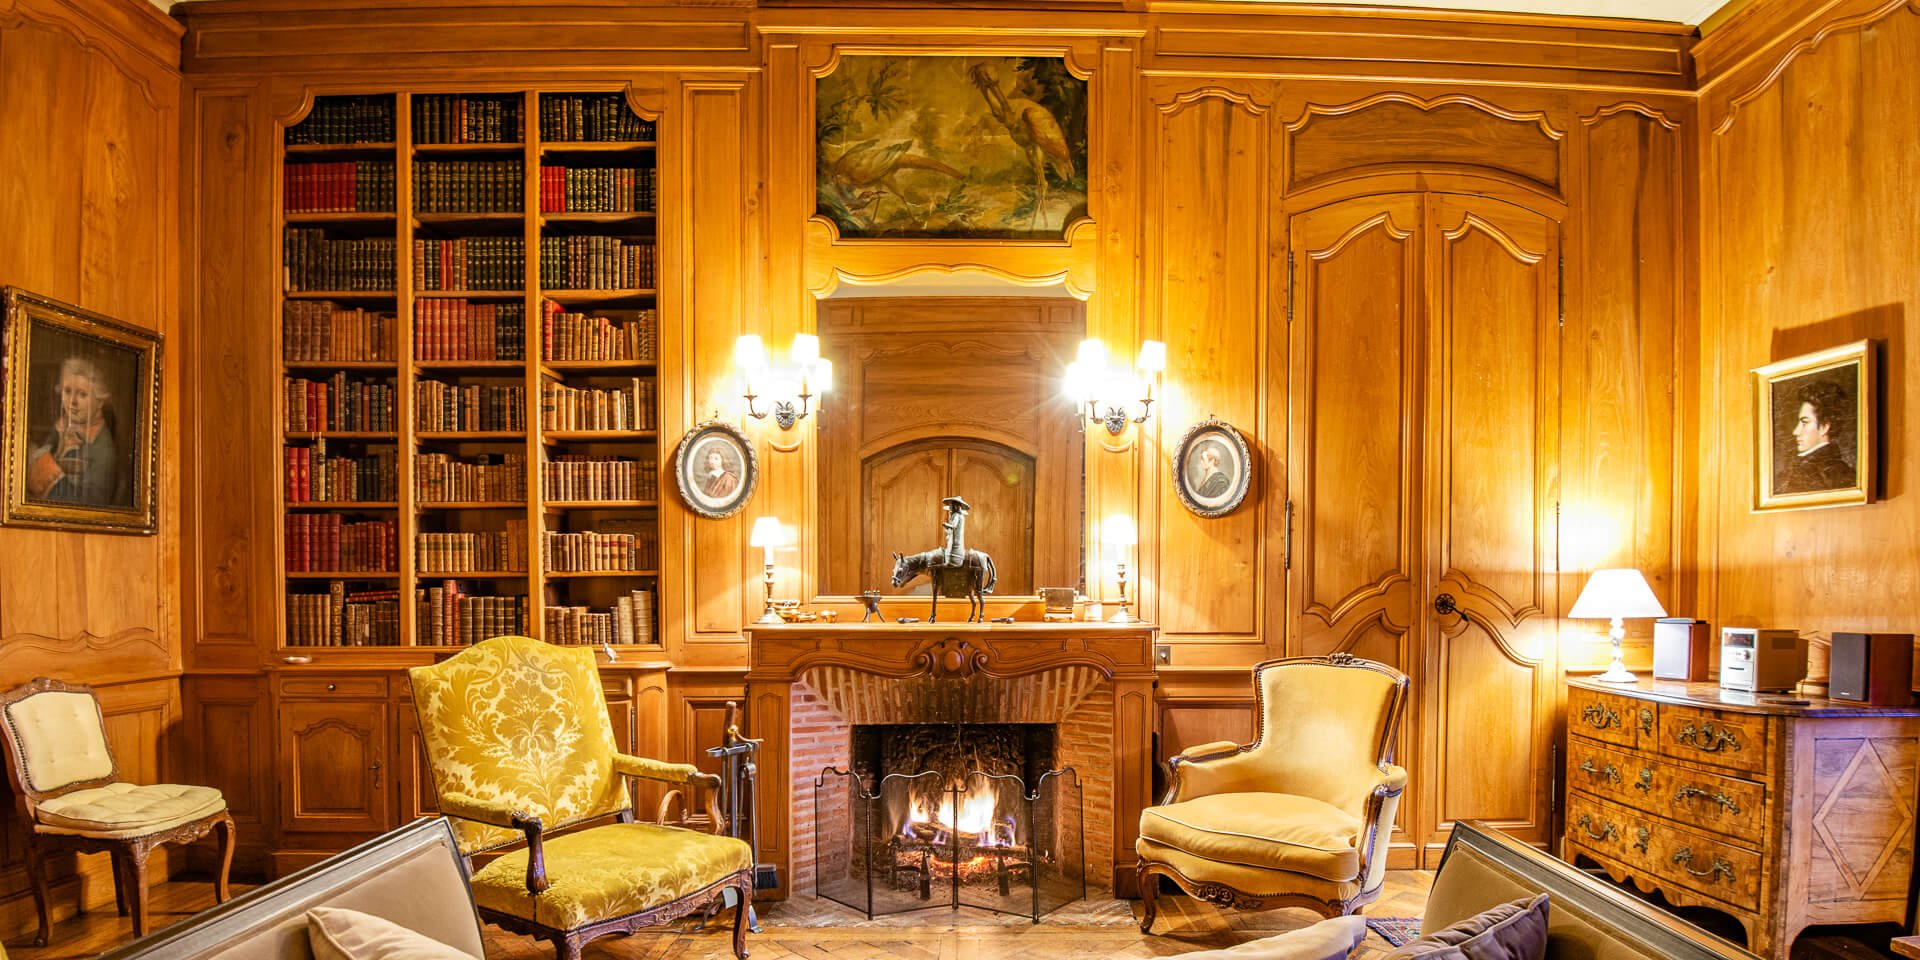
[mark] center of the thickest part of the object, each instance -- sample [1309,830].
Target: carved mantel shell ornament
[951,658]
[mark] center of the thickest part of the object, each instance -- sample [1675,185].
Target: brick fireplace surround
[810,683]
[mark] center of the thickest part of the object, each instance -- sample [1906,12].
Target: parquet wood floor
[816,930]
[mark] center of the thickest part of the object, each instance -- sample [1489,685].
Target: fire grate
[919,841]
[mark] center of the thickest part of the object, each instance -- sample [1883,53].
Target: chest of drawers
[1783,815]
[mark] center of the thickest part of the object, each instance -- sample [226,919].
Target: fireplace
[873,700]
[950,815]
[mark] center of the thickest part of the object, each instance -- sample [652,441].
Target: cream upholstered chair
[1301,816]
[71,796]
[517,735]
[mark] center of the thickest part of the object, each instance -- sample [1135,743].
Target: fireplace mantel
[782,654]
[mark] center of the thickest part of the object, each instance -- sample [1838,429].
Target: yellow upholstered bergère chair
[1298,818]
[71,796]
[517,734]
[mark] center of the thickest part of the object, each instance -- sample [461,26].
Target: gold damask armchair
[518,739]
[1301,816]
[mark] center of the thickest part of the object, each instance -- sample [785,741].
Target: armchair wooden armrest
[1216,750]
[1392,781]
[628,765]
[497,814]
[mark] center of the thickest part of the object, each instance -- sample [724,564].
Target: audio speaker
[1680,649]
[1874,668]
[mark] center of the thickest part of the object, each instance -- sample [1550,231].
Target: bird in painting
[865,172]
[1033,128]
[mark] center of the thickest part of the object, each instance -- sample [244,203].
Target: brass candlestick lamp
[768,534]
[1119,535]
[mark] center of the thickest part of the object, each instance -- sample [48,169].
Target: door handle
[1445,604]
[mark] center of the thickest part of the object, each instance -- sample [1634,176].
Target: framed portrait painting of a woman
[82,418]
[716,469]
[1212,468]
[1816,432]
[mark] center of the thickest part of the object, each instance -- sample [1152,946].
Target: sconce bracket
[786,414]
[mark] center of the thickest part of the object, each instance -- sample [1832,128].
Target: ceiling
[1671,11]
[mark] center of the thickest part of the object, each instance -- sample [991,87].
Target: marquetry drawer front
[1603,716]
[1732,740]
[1682,858]
[1607,830]
[1710,801]
[342,687]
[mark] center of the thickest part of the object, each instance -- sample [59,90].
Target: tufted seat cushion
[609,871]
[1272,831]
[128,810]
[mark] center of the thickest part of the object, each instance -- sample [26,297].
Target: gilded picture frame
[951,146]
[1816,430]
[716,469]
[1212,468]
[82,413]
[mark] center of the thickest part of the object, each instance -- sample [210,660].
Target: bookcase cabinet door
[334,766]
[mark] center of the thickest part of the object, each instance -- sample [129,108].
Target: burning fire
[976,818]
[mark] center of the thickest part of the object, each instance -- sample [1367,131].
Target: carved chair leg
[227,841]
[37,872]
[740,913]
[566,947]
[116,860]
[137,866]
[1149,885]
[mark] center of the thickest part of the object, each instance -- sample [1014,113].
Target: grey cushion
[1511,931]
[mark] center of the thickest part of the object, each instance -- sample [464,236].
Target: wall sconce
[1117,533]
[768,534]
[1111,396]
[788,390]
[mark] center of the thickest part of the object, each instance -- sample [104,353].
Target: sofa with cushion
[1484,871]
[412,878]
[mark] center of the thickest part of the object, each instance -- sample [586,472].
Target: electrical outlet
[1163,653]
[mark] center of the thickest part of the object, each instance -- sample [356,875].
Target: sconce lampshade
[750,353]
[1620,592]
[1118,531]
[767,532]
[1153,357]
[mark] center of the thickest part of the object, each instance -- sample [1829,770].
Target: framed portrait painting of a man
[716,469]
[82,418]
[1816,432]
[1212,468]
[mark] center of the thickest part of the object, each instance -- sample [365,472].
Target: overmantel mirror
[950,393]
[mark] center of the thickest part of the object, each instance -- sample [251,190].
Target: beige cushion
[61,739]
[1327,940]
[129,810]
[1273,831]
[339,934]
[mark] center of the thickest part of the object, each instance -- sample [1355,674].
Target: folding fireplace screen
[950,815]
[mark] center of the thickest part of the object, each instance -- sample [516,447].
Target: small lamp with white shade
[1119,536]
[768,534]
[1615,595]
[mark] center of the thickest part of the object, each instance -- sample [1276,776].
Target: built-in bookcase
[469,339]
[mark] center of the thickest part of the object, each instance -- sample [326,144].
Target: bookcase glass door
[469,336]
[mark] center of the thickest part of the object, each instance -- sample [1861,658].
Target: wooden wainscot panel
[1332,140]
[224,744]
[1210,247]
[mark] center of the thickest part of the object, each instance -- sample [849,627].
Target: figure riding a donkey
[954,570]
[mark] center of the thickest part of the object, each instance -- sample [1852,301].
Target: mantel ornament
[951,658]
[954,570]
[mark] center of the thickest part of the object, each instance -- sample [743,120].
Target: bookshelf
[468,345]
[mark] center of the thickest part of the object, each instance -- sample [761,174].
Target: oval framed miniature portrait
[1212,468]
[716,469]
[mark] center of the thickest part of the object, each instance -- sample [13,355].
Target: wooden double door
[1424,467]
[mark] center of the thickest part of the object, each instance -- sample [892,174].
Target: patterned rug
[1398,931]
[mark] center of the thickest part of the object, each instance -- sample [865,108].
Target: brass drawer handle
[1645,783]
[1645,837]
[1684,856]
[1612,773]
[1607,831]
[1646,721]
[1708,738]
[1600,716]
[1690,791]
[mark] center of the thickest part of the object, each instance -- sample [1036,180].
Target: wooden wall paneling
[1215,305]
[1117,312]
[1491,479]
[1807,180]
[1621,372]
[225,742]
[90,127]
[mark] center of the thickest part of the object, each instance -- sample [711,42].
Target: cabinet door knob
[376,774]
[332,687]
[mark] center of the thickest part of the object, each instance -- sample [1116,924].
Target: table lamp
[1615,595]
[768,534]
[1118,534]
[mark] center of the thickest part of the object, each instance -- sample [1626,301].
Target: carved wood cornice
[85,641]
[1810,37]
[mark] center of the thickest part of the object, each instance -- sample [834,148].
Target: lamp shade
[767,532]
[1153,357]
[1621,592]
[1118,531]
